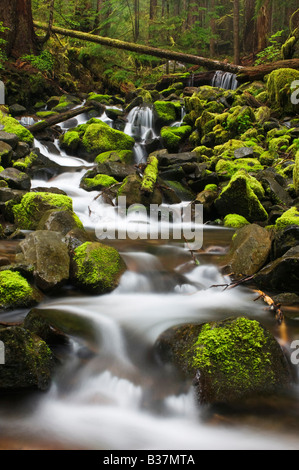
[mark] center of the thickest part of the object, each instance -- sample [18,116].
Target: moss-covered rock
[16,179]
[240,119]
[70,141]
[122,156]
[165,112]
[289,217]
[239,197]
[131,190]
[279,90]
[33,205]
[234,221]
[59,220]
[99,138]
[230,360]
[173,137]
[16,292]
[97,183]
[12,126]
[29,363]
[226,169]
[97,268]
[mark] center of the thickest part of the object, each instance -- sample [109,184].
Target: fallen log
[53,120]
[249,74]
[210,64]
[243,73]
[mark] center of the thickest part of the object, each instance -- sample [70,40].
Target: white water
[120,397]
[226,80]
[140,125]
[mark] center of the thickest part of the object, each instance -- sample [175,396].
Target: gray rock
[16,179]
[243,152]
[281,275]
[249,251]
[9,138]
[17,110]
[48,254]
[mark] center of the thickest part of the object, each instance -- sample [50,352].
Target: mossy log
[243,73]
[53,120]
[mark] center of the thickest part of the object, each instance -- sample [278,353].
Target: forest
[149,226]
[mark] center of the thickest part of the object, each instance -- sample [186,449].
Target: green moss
[98,182]
[98,267]
[25,163]
[240,119]
[166,111]
[279,90]
[279,144]
[45,114]
[150,175]
[174,136]
[203,150]
[70,140]
[123,156]
[235,221]
[211,187]
[228,168]
[13,126]
[290,217]
[99,98]
[32,206]
[241,196]
[267,158]
[99,138]
[236,353]
[14,290]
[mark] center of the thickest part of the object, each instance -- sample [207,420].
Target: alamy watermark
[295,94]
[2,353]
[154,223]
[2,93]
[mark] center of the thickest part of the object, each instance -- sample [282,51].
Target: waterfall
[140,125]
[226,80]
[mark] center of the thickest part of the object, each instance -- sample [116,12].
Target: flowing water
[226,80]
[111,391]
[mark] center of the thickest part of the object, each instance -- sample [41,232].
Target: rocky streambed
[154,331]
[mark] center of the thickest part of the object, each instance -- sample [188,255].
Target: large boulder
[28,361]
[249,251]
[33,206]
[229,361]
[241,196]
[281,275]
[97,268]
[47,252]
[279,90]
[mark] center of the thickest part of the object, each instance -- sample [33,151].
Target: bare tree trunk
[17,16]
[213,29]
[264,25]
[236,17]
[249,35]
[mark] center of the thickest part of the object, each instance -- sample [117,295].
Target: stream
[111,392]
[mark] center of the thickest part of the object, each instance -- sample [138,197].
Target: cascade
[226,80]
